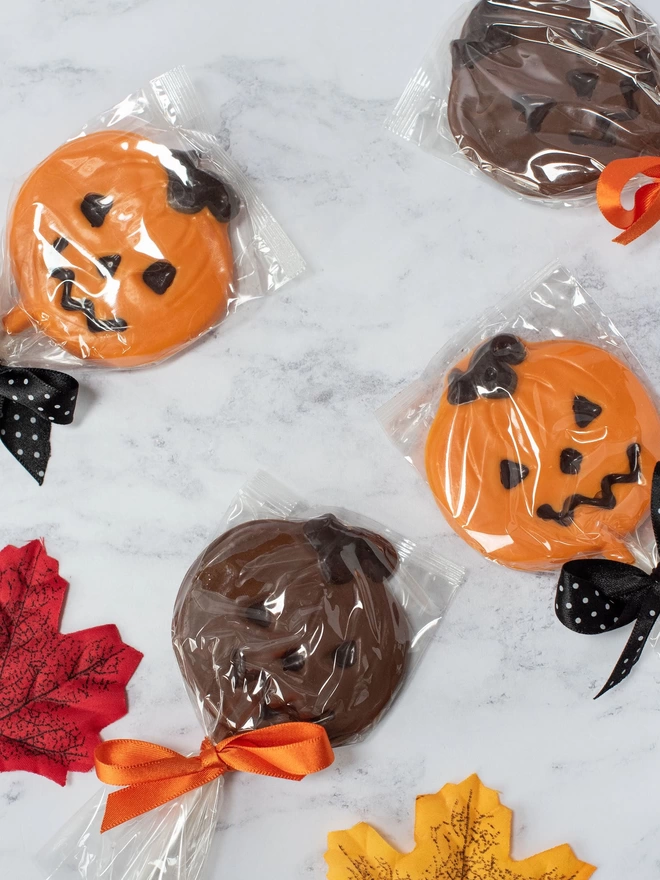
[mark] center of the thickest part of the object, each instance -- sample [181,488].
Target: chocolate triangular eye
[346,655]
[535,108]
[110,263]
[585,411]
[629,89]
[159,276]
[583,82]
[259,614]
[512,473]
[95,208]
[586,33]
[294,660]
[602,134]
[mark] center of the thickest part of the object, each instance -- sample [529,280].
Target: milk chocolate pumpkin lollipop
[541,452]
[545,93]
[293,621]
[119,249]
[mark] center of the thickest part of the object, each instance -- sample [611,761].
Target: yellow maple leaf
[461,833]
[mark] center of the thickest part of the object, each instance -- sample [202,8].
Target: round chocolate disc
[292,621]
[546,92]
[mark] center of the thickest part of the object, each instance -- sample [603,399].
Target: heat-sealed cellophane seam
[168,110]
[550,306]
[260,497]
[420,116]
[171,842]
[178,99]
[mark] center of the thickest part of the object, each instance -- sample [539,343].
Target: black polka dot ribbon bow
[29,401]
[600,595]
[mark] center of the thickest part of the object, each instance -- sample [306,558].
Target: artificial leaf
[461,833]
[57,692]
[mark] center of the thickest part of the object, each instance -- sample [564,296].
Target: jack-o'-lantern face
[293,621]
[119,249]
[545,94]
[541,452]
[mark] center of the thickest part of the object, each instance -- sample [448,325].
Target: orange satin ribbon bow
[155,775]
[646,210]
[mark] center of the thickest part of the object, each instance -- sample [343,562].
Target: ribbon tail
[630,655]
[647,213]
[18,430]
[129,803]
[609,190]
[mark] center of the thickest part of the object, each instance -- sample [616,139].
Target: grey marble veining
[402,251]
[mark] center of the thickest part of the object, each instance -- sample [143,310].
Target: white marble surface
[402,250]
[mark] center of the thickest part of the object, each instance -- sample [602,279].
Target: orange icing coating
[533,432]
[140,227]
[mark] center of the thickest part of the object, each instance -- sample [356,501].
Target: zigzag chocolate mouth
[605,498]
[86,306]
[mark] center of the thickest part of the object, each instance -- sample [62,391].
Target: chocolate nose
[570,461]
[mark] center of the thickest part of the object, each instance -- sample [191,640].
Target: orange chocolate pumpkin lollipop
[119,249]
[544,451]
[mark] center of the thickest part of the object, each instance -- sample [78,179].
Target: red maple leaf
[57,692]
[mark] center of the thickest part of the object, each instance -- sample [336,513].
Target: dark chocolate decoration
[95,208]
[600,595]
[585,411]
[277,715]
[643,52]
[570,461]
[346,655]
[197,189]
[605,498]
[534,108]
[583,82]
[342,550]
[110,263]
[468,52]
[489,373]
[603,136]
[30,402]
[645,55]
[512,473]
[587,34]
[238,669]
[629,89]
[60,243]
[259,614]
[85,305]
[159,276]
[294,660]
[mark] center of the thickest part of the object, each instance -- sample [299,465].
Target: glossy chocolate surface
[293,621]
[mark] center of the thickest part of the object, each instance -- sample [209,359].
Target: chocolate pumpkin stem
[342,550]
[489,373]
[192,189]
